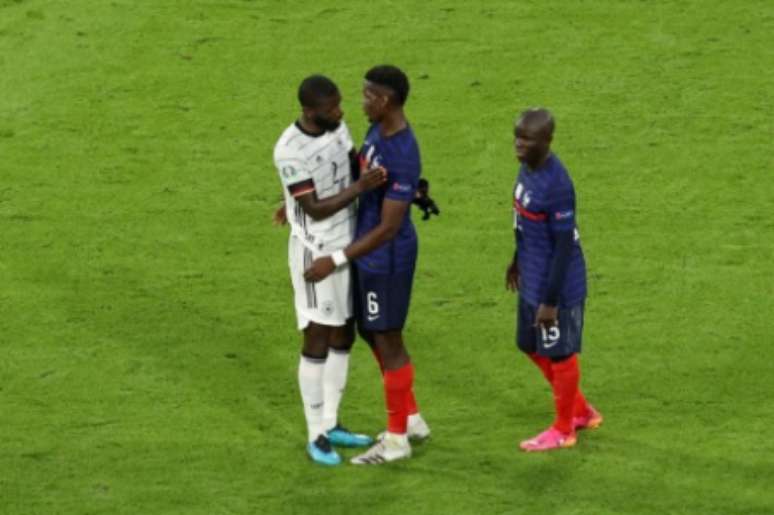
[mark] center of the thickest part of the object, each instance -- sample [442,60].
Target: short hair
[541,118]
[314,89]
[390,77]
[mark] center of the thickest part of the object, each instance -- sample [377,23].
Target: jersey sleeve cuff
[301,188]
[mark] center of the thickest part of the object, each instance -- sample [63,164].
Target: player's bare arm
[512,276]
[512,271]
[547,313]
[392,215]
[320,209]
[280,216]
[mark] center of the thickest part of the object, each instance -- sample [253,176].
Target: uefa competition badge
[288,172]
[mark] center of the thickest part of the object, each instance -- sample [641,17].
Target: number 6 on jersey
[372,303]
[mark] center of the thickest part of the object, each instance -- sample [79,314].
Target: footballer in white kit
[318,163]
[316,160]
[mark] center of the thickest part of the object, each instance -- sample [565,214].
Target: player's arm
[397,201]
[297,178]
[393,212]
[404,179]
[561,219]
[512,271]
[392,215]
[280,216]
[320,209]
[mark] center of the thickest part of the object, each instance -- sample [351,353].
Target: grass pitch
[146,327]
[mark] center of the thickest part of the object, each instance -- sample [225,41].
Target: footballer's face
[531,143]
[375,100]
[327,114]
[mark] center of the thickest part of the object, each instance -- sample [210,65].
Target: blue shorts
[555,342]
[381,301]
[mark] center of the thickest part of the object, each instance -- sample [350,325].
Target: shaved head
[539,120]
[532,136]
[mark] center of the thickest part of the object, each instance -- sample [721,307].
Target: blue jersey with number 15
[399,155]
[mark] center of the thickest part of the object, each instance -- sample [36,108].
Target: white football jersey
[320,163]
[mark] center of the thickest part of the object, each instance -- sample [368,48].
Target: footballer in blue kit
[549,272]
[385,275]
[384,253]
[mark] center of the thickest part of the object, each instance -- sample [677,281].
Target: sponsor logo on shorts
[403,188]
[563,215]
[371,318]
[328,308]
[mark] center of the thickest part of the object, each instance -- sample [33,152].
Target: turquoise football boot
[343,437]
[320,451]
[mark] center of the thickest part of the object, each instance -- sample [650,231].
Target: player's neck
[308,126]
[540,163]
[392,123]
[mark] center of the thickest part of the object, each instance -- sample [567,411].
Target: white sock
[310,381]
[413,419]
[398,438]
[334,382]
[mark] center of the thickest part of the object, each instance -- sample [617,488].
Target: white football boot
[391,447]
[417,431]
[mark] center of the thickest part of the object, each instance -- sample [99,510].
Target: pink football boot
[591,420]
[548,440]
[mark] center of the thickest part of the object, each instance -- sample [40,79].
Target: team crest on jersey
[371,160]
[521,196]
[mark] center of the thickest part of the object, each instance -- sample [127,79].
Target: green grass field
[147,334]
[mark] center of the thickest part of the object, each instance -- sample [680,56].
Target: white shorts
[328,302]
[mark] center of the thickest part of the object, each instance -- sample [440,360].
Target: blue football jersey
[543,205]
[399,155]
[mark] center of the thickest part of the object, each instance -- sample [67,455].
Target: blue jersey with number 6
[399,155]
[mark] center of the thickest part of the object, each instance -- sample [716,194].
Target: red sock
[544,364]
[411,401]
[565,387]
[397,385]
[581,406]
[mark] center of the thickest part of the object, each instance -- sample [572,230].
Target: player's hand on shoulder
[321,268]
[280,216]
[372,178]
